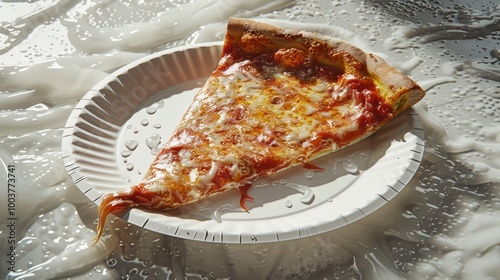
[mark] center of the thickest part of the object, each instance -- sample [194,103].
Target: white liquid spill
[481,69]
[452,234]
[55,81]
[429,84]
[20,122]
[88,38]
[483,172]
[75,259]
[473,27]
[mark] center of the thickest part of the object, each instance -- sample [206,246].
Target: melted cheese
[207,179]
[250,120]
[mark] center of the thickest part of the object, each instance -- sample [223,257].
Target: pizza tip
[111,202]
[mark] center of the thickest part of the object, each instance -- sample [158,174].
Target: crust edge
[405,91]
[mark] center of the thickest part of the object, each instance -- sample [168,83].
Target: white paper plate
[112,135]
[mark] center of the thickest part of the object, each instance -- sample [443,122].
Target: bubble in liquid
[111,262]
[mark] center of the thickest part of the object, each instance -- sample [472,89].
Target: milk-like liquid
[444,225]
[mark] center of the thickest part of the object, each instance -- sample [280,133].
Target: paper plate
[115,131]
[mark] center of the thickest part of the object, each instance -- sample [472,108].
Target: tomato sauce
[308,62]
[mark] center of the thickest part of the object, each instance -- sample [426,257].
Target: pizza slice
[277,99]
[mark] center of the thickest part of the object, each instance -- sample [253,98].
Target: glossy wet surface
[444,225]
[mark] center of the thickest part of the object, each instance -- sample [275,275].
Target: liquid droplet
[335,165]
[145,122]
[126,153]
[153,143]
[131,145]
[308,197]
[309,174]
[161,104]
[363,155]
[288,204]
[129,166]
[308,194]
[350,166]
[151,110]
[217,214]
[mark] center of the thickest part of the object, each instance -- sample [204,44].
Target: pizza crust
[404,90]
[401,91]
